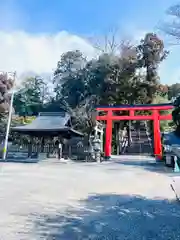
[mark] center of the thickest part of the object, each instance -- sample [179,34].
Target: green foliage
[164,125]
[30,98]
[20,120]
[112,78]
[109,79]
[151,53]
[67,68]
[176,111]
[174,90]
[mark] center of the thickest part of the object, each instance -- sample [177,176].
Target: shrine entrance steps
[141,143]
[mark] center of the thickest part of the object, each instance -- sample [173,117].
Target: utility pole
[9,118]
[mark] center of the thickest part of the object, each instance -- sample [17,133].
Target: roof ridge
[49,114]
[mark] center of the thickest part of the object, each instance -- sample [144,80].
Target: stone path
[125,199]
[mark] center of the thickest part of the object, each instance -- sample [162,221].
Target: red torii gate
[155,116]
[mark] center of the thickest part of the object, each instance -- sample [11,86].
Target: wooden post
[30,147]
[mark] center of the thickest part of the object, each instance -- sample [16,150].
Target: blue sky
[85,18]
[80,16]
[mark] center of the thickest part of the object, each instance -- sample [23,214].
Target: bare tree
[85,115]
[110,42]
[171,27]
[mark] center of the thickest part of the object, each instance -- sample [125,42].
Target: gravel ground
[50,200]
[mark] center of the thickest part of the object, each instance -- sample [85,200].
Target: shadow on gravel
[113,217]
[151,166]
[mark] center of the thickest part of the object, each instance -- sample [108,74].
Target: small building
[46,129]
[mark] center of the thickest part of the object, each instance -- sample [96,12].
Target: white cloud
[27,53]
[22,52]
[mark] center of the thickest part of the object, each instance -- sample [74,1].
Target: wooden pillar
[30,147]
[42,144]
[69,150]
[108,140]
[157,135]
